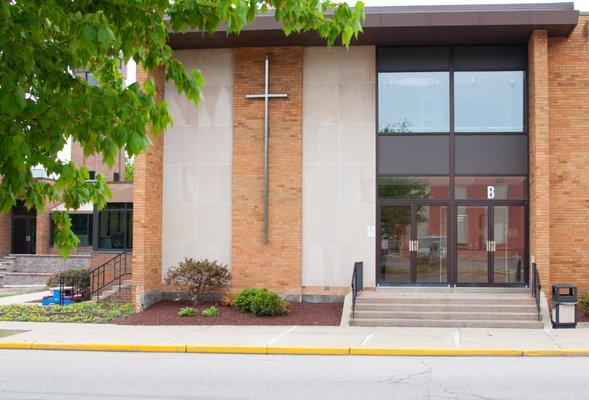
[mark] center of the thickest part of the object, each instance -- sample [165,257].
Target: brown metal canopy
[411,25]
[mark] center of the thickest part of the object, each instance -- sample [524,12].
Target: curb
[295,350]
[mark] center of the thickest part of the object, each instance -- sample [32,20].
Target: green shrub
[81,281]
[243,299]
[269,303]
[198,276]
[584,303]
[187,312]
[260,302]
[210,312]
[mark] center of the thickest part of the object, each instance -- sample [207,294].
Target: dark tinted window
[115,228]
[81,227]
[492,155]
[401,59]
[415,155]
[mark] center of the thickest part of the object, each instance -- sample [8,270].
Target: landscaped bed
[581,316]
[166,313]
[87,312]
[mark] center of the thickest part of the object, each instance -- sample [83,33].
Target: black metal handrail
[357,283]
[108,273]
[536,286]
[77,286]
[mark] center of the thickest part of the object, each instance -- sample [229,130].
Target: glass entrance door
[472,245]
[431,243]
[396,245]
[413,244]
[509,236]
[490,245]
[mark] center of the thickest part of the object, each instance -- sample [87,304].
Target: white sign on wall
[490,192]
[370,231]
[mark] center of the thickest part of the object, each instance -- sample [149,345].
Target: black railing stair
[109,274]
[536,287]
[357,283]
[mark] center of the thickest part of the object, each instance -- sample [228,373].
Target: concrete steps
[447,307]
[445,315]
[116,293]
[425,307]
[26,278]
[441,323]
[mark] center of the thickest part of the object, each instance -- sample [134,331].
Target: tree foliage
[43,101]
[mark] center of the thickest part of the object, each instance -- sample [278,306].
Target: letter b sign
[490,192]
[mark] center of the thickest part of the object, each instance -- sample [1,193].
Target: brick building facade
[329,159]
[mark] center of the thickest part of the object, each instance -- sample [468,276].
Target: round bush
[268,303]
[80,276]
[243,299]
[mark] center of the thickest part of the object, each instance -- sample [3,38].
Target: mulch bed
[581,317]
[166,313]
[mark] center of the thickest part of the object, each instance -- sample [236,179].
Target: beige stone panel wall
[339,142]
[197,164]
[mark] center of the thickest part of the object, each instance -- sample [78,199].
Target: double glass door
[413,244]
[435,244]
[490,245]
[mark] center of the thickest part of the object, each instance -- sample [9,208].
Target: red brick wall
[43,233]
[95,163]
[5,234]
[277,264]
[147,209]
[539,153]
[568,71]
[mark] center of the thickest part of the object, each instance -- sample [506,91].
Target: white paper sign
[370,231]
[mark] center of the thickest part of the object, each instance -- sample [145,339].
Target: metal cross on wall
[266,96]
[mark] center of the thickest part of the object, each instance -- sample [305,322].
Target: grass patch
[4,333]
[86,312]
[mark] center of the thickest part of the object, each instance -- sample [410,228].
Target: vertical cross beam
[266,96]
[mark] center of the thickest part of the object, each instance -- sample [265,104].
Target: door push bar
[491,246]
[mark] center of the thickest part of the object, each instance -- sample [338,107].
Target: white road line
[367,338]
[187,336]
[275,338]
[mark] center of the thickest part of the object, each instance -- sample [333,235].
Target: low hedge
[82,280]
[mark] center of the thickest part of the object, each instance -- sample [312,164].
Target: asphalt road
[42,375]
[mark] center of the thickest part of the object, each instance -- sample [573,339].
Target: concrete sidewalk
[24,298]
[297,339]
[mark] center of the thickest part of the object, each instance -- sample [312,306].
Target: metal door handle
[413,245]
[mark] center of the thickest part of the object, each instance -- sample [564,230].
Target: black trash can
[564,306]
